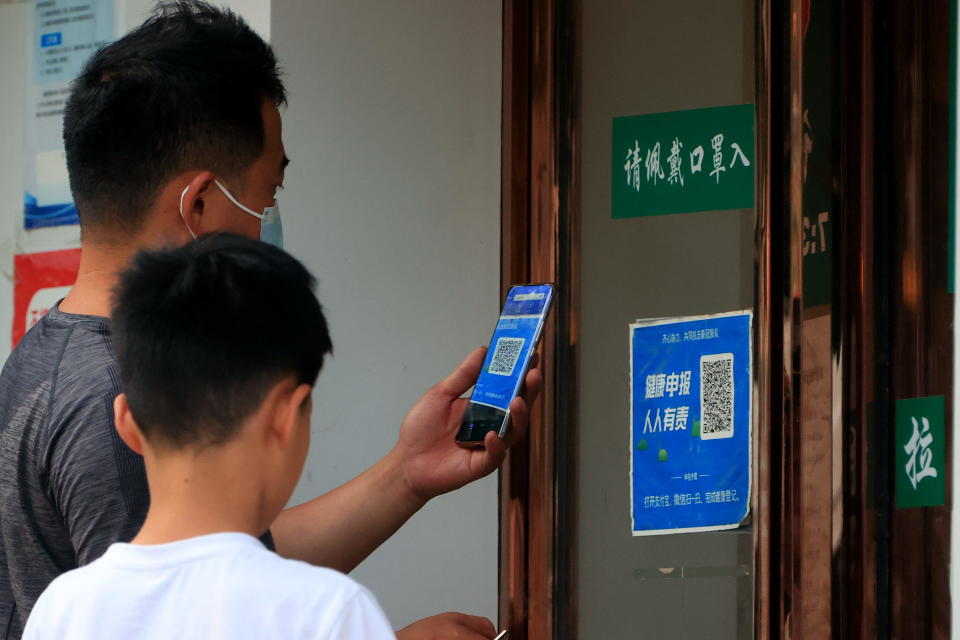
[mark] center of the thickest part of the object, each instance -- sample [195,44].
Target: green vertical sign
[920,470]
[820,168]
[683,161]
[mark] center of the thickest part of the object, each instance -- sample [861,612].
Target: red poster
[40,280]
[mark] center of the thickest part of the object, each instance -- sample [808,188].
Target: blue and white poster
[65,34]
[690,423]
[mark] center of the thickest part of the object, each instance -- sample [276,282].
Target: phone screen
[513,344]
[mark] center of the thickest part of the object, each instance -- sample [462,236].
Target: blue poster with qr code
[513,341]
[690,423]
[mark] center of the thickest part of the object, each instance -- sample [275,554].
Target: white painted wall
[392,200]
[255,12]
[13,97]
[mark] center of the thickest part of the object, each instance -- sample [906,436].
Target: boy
[219,344]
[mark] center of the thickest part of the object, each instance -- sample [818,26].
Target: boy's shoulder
[301,578]
[216,556]
[233,574]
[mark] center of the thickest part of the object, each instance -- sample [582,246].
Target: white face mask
[271,229]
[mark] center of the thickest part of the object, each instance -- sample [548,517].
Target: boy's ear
[125,424]
[289,411]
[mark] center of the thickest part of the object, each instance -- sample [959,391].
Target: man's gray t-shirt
[69,486]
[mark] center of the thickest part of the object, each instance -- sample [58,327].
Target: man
[172,132]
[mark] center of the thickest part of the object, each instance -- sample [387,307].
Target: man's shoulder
[63,352]
[62,373]
[86,360]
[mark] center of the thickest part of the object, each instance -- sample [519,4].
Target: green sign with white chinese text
[683,161]
[820,167]
[920,463]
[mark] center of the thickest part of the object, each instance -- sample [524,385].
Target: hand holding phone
[508,359]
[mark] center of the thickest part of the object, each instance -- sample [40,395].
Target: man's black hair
[182,91]
[203,331]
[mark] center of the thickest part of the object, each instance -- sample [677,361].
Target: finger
[465,375]
[492,455]
[534,366]
[519,421]
[531,386]
[477,624]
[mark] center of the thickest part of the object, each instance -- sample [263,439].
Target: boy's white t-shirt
[219,586]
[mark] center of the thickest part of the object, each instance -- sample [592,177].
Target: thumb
[465,375]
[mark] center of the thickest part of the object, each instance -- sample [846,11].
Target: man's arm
[99,485]
[341,528]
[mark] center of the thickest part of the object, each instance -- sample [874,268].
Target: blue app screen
[511,345]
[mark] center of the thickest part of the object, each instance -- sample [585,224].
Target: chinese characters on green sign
[919,469]
[683,161]
[820,166]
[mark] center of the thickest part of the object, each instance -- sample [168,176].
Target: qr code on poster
[716,396]
[505,356]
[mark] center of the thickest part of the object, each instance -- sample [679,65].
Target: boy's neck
[194,494]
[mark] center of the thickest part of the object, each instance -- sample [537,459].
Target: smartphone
[513,344]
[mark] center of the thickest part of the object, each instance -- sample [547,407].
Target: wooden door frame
[539,243]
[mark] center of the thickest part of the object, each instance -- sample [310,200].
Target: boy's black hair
[182,91]
[203,331]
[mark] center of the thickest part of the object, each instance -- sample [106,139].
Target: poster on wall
[39,281]
[690,423]
[65,33]
[683,161]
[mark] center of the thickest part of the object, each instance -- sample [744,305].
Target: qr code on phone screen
[505,356]
[716,396]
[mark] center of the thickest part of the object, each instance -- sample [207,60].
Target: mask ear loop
[182,194]
[258,216]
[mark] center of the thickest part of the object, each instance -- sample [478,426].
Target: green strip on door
[683,161]
[920,469]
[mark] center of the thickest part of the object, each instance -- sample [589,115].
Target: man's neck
[100,265]
[104,254]
[195,495]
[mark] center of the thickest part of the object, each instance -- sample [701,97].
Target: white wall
[255,12]
[392,200]
[13,99]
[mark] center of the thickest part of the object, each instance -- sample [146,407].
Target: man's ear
[125,424]
[192,200]
[289,403]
